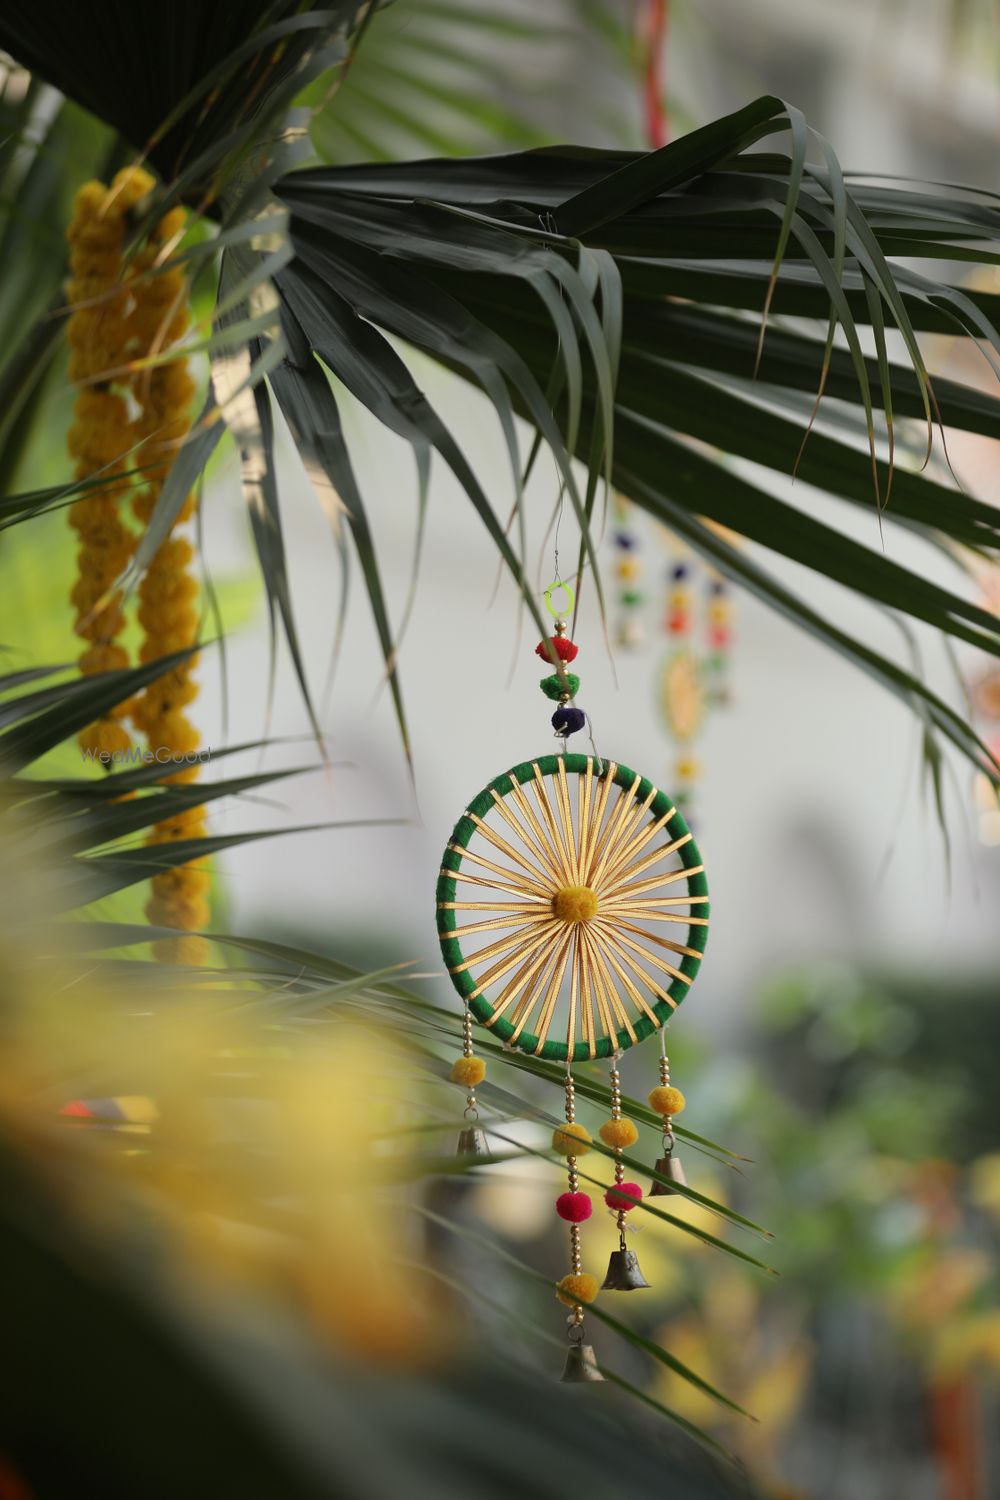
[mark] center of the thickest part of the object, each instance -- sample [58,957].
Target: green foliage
[550,280]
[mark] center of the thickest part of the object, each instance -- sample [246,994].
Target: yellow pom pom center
[578,1287]
[575,903]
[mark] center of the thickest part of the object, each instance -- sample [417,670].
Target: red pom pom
[77,1109]
[623,1197]
[677,624]
[719,636]
[561,645]
[574,1207]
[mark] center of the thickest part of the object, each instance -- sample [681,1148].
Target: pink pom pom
[574,1207]
[623,1197]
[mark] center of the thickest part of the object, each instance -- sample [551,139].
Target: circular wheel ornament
[572,907]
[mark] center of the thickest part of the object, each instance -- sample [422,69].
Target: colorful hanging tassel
[468,1071]
[578,1288]
[667,1101]
[629,632]
[623,1274]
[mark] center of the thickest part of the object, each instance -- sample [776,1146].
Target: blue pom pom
[679,571]
[568,720]
[625,540]
[718,586]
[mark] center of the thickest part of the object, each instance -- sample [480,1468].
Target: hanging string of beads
[694,679]
[629,631]
[468,1071]
[619,1133]
[558,649]
[667,1101]
[135,407]
[571,1141]
[101,339]
[717,657]
[683,697]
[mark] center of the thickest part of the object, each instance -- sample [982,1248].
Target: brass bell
[624,1274]
[581,1365]
[472,1142]
[671,1167]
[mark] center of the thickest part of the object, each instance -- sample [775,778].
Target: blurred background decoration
[238,1251]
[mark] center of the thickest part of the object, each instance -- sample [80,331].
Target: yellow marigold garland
[122,315]
[168,593]
[101,434]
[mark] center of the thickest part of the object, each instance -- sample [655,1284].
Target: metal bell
[581,1365]
[668,1166]
[624,1274]
[580,1362]
[472,1142]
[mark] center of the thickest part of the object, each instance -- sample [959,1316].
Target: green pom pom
[716,662]
[632,596]
[554,687]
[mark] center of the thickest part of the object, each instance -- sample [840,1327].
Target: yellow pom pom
[687,768]
[571,1140]
[103,658]
[619,1133]
[129,185]
[575,903]
[578,1287]
[175,735]
[103,739]
[666,1100]
[187,913]
[182,777]
[628,568]
[189,824]
[181,881]
[193,951]
[468,1071]
[172,223]
[89,200]
[103,625]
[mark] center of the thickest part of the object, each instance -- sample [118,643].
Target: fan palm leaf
[622,303]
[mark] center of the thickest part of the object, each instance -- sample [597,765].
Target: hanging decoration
[693,679]
[629,631]
[100,337]
[130,308]
[572,914]
[984,694]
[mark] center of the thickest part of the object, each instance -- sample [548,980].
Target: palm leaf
[454,288]
[81,827]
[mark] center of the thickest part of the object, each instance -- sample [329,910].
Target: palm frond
[83,826]
[453,257]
